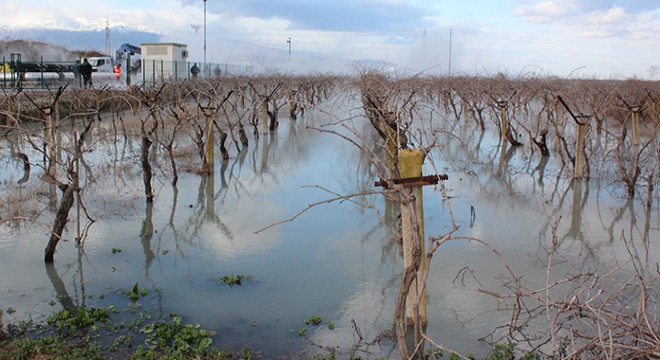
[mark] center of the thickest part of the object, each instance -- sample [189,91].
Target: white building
[164,62]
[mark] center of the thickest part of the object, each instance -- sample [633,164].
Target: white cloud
[499,34]
[546,10]
[611,15]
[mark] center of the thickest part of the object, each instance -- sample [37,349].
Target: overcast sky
[604,38]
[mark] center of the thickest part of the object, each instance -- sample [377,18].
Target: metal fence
[159,71]
[18,74]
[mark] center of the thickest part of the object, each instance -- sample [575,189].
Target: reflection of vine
[60,288]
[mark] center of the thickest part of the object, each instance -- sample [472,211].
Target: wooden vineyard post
[635,124]
[580,156]
[505,120]
[293,107]
[210,142]
[412,216]
[412,228]
[636,110]
[264,114]
[50,143]
[582,127]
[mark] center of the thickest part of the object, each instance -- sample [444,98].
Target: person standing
[77,81]
[194,70]
[86,72]
[117,70]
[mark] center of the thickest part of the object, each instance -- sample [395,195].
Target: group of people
[82,73]
[83,70]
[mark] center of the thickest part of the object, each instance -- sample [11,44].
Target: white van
[101,64]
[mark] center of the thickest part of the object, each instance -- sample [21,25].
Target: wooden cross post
[412,230]
[412,227]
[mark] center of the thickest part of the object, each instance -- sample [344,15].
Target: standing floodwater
[329,278]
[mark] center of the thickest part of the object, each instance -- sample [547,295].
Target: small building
[164,62]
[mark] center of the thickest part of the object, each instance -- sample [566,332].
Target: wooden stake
[50,143]
[292,106]
[504,122]
[580,157]
[264,114]
[635,125]
[412,216]
[210,162]
[77,184]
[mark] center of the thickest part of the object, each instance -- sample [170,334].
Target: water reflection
[577,207]
[336,261]
[60,289]
[146,235]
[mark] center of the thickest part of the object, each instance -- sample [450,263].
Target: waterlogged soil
[337,261]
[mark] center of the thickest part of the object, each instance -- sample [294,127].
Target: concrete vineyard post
[412,216]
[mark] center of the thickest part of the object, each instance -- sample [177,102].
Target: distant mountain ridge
[64,40]
[34,51]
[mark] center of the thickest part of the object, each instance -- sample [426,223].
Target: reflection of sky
[334,261]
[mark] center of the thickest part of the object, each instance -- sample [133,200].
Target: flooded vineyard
[281,213]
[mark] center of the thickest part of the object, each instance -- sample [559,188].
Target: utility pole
[289,42]
[108,48]
[450,35]
[204,36]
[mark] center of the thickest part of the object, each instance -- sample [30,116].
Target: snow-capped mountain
[80,38]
